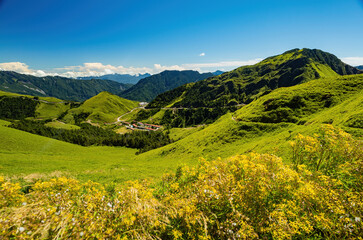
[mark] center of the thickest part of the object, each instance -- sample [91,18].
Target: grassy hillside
[267,124]
[28,157]
[105,107]
[59,87]
[148,88]
[244,84]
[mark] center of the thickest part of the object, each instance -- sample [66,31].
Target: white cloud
[160,68]
[21,68]
[221,64]
[202,54]
[99,69]
[354,61]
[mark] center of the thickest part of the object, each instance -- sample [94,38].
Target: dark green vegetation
[245,84]
[59,87]
[121,78]
[148,88]
[89,135]
[190,117]
[17,107]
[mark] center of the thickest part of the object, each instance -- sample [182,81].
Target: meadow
[29,157]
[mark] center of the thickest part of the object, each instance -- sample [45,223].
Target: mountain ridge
[121,78]
[242,85]
[148,88]
[59,87]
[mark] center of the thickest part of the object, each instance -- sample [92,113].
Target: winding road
[118,119]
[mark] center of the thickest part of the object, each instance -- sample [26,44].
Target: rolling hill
[148,88]
[59,87]
[268,123]
[247,83]
[104,107]
[121,78]
[31,157]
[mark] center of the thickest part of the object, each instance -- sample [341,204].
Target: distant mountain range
[121,78]
[360,67]
[59,87]
[218,72]
[148,88]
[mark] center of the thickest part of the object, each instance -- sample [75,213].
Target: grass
[104,107]
[239,133]
[122,130]
[24,155]
[180,133]
[50,110]
[130,115]
[57,124]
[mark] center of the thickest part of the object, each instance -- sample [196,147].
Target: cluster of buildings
[141,126]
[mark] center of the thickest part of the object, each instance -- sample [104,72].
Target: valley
[263,122]
[181,120]
[298,115]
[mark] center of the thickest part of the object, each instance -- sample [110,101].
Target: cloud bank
[354,61]
[99,69]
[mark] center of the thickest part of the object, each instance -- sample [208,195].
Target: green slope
[148,88]
[244,84]
[59,87]
[27,156]
[104,107]
[256,128]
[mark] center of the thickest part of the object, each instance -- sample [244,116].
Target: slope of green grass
[105,107]
[26,156]
[51,110]
[336,101]
[57,124]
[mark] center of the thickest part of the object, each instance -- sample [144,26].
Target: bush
[332,152]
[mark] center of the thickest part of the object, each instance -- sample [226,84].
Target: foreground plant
[245,197]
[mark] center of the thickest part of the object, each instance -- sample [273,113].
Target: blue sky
[83,37]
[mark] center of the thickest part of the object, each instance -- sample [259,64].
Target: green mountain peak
[244,84]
